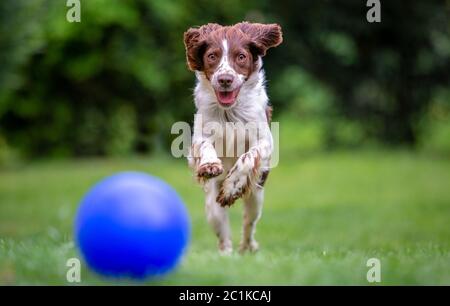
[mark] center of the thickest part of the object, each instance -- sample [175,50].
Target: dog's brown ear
[195,44]
[262,36]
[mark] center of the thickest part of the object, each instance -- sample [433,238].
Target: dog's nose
[225,80]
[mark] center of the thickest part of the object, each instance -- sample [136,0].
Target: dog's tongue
[226,97]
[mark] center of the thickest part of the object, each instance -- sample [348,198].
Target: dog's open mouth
[227,98]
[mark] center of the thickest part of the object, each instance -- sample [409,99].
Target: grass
[325,215]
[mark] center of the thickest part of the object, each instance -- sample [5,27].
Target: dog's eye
[241,57]
[212,57]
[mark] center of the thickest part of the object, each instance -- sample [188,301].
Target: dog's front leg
[206,164]
[246,173]
[203,156]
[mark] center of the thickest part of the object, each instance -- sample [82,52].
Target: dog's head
[228,55]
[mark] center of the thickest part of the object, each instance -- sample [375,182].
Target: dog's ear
[195,44]
[262,36]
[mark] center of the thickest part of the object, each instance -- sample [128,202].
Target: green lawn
[325,215]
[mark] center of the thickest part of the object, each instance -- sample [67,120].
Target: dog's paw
[251,246]
[239,179]
[209,170]
[232,190]
[226,199]
[225,248]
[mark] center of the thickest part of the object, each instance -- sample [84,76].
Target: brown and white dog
[227,61]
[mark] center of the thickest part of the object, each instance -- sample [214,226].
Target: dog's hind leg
[253,204]
[217,217]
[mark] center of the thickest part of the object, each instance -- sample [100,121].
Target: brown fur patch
[195,44]
[269,111]
[263,36]
[209,170]
[263,178]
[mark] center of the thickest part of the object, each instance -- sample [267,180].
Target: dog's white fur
[239,172]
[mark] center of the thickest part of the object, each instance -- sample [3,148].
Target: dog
[230,89]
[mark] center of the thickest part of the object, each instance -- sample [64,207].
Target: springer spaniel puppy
[230,89]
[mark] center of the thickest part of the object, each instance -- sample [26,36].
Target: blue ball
[132,225]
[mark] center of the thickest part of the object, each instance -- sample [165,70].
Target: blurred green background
[115,83]
[364,112]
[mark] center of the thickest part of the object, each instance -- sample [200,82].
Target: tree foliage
[115,82]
